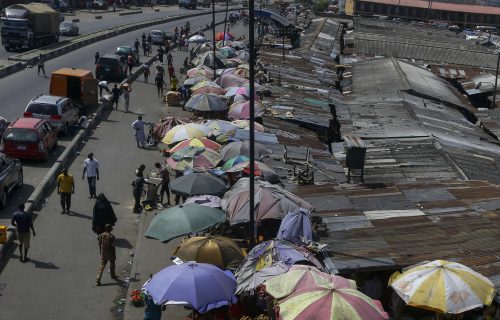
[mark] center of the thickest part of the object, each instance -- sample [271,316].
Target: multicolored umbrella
[243,55]
[205,47]
[227,52]
[200,71]
[209,89]
[198,39]
[219,251]
[234,161]
[266,257]
[232,63]
[196,143]
[184,132]
[238,45]
[243,90]
[198,184]
[326,302]
[301,277]
[296,227]
[245,125]
[227,80]
[242,148]
[208,59]
[220,44]
[204,200]
[207,102]
[194,80]
[194,158]
[242,72]
[241,110]
[260,170]
[203,286]
[271,202]
[204,84]
[180,220]
[219,127]
[443,286]
[223,36]
[165,124]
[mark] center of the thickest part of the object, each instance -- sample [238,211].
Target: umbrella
[198,39]
[198,183]
[200,71]
[234,161]
[326,301]
[241,72]
[270,257]
[204,200]
[219,127]
[220,44]
[244,90]
[240,98]
[205,47]
[261,169]
[206,102]
[300,277]
[208,89]
[295,226]
[271,202]
[227,80]
[223,36]
[193,158]
[238,45]
[208,59]
[161,128]
[241,110]
[204,84]
[232,63]
[238,148]
[243,55]
[197,143]
[184,132]
[444,286]
[219,251]
[245,124]
[194,80]
[202,285]
[228,52]
[180,220]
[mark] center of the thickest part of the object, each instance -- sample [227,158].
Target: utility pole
[213,34]
[251,34]
[225,24]
[494,102]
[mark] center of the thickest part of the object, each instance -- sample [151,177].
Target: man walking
[103,85]
[140,137]
[107,250]
[23,222]
[146,72]
[115,92]
[159,84]
[65,188]
[96,57]
[41,65]
[126,98]
[91,168]
[165,182]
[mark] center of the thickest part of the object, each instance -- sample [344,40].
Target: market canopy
[198,184]
[208,59]
[242,148]
[208,102]
[296,227]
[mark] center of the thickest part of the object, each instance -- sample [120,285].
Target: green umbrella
[198,184]
[183,219]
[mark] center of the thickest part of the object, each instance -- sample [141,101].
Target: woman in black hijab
[103,214]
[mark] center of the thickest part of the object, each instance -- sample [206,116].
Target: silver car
[68,29]
[60,112]
[157,36]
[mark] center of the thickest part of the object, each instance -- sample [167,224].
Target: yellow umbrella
[186,131]
[220,251]
[444,286]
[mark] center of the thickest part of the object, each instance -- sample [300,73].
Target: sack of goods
[173,99]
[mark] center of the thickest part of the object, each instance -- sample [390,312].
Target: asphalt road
[88,24]
[17,89]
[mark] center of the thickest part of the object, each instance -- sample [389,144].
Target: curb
[37,196]
[105,35]
[13,68]
[75,20]
[127,13]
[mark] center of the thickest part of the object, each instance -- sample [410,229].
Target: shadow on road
[43,265]
[123,243]
[78,215]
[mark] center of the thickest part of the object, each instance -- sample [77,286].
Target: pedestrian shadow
[117,282]
[43,265]
[78,215]
[109,120]
[123,243]
[114,203]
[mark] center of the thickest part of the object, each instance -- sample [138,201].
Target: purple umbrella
[202,285]
[296,227]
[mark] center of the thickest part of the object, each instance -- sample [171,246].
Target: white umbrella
[198,39]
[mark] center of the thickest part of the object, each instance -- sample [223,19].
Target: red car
[29,138]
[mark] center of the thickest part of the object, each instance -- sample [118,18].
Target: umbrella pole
[213,33]
[251,31]
[225,24]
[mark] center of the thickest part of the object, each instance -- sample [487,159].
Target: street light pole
[251,32]
[494,103]
[213,34]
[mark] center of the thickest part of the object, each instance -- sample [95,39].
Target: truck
[29,26]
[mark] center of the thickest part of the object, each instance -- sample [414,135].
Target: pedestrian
[41,65]
[126,98]
[152,311]
[91,168]
[96,57]
[114,6]
[180,44]
[140,137]
[145,48]
[106,241]
[103,85]
[23,222]
[136,44]
[171,71]
[192,54]
[103,214]
[115,92]
[182,31]
[186,63]
[65,188]
[159,84]
[149,38]
[146,72]
[160,70]
[173,83]
[167,46]
[137,187]
[184,95]
[160,54]
[169,58]
[130,63]
[143,37]
[178,197]
[165,182]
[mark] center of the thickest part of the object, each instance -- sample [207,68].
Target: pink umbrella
[227,80]
[200,71]
[241,110]
[209,89]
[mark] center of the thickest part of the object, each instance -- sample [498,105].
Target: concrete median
[126,13]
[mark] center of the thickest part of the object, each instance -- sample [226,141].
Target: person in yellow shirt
[65,187]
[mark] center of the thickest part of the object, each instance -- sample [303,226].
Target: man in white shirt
[91,168]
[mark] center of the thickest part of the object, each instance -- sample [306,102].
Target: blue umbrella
[202,285]
[296,227]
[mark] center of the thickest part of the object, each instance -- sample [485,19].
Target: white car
[157,36]
[60,112]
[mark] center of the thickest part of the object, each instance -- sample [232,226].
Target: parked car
[68,29]
[188,4]
[110,67]
[11,176]
[157,36]
[100,4]
[168,35]
[124,51]
[29,138]
[60,112]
